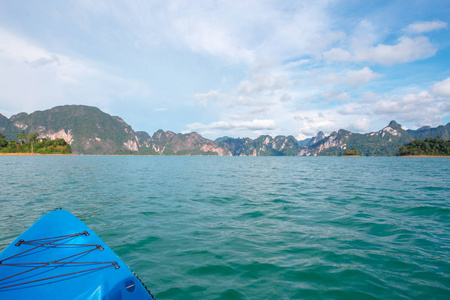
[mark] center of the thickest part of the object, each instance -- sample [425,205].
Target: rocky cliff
[87,129]
[264,145]
[384,142]
[7,128]
[170,143]
[90,131]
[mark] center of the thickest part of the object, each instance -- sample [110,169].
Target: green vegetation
[430,146]
[426,132]
[380,143]
[352,152]
[30,143]
[92,131]
[264,145]
[332,151]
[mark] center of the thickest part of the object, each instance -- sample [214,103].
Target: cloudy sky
[236,68]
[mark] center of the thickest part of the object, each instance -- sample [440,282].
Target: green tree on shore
[29,143]
[430,146]
[22,137]
[3,141]
[32,137]
[352,152]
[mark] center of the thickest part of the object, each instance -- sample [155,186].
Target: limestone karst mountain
[91,131]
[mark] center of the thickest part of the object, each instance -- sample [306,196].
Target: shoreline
[72,154]
[34,154]
[423,156]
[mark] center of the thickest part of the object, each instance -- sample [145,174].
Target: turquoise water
[252,227]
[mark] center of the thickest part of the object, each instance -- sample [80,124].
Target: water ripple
[245,228]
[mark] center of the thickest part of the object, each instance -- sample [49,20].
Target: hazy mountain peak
[394,125]
[424,128]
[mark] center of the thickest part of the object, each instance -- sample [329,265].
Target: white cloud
[268,88]
[259,42]
[337,54]
[425,107]
[235,125]
[406,50]
[334,95]
[213,95]
[246,32]
[360,125]
[35,79]
[415,109]
[309,123]
[350,110]
[366,34]
[262,83]
[371,112]
[420,108]
[297,63]
[365,45]
[209,36]
[258,65]
[355,78]
[442,88]
[423,27]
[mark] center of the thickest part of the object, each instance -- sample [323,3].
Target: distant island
[30,143]
[88,130]
[428,147]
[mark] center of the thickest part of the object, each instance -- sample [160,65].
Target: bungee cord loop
[55,243]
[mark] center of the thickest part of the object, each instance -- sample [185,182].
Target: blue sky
[236,68]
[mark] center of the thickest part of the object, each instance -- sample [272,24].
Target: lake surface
[251,227]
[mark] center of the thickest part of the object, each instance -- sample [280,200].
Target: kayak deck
[60,257]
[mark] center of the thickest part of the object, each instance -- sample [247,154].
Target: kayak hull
[59,257]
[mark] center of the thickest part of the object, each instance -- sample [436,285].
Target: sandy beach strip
[34,154]
[423,156]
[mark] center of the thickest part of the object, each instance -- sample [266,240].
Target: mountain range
[91,131]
